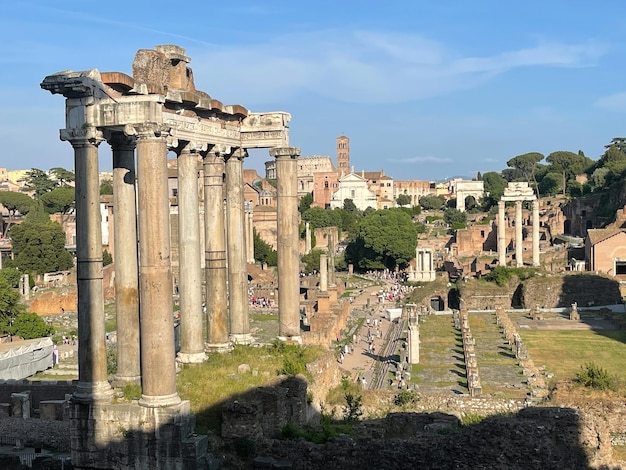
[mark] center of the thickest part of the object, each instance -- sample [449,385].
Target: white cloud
[365,67]
[615,102]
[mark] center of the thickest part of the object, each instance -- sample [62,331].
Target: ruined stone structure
[424,266]
[413,337]
[156,110]
[518,192]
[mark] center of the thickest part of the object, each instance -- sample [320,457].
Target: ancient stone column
[414,334]
[236,250]
[92,362]
[323,272]
[190,276]
[307,248]
[126,263]
[519,248]
[215,250]
[535,233]
[288,259]
[332,248]
[501,234]
[155,271]
[249,211]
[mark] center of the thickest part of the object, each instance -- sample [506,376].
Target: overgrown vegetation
[501,275]
[591,375]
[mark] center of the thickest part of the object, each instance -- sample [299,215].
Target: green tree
[106,258]
[311,260]
[29,326]
[10,302]
[350,206]
[62,176]
[37,213]
[431,202]
[11,275]
[15,202]
[385,239]
[305,203]
[569,164]
[263,252]
[106,187]
[38,180]
[455,218]
[403,200]
[318,218]
[550,184]
[59,200]
[40,247]
[525,166]
[494,185]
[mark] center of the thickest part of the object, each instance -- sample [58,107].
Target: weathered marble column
[323,272]
[288,259]
[307,247]
[536,233]
[236,250]
[519,247]
[126,263]
[190,277]
[93,385]
[501,234]
[215,250]
[332,248]
[249,214]
[413,356]
[155,271]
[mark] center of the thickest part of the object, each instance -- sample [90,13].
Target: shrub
[353,410]
[405,397]
[592,375]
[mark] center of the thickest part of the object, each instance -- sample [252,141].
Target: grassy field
[209,384]
[563,352]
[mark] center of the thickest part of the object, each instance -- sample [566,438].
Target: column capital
[120,141]
[219,150]
[285,152]
[149,131]
[86,135]
[237,154]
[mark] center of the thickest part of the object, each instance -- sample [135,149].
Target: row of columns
[143,275]
[519,250]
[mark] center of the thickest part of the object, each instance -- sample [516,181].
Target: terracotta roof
[596,235]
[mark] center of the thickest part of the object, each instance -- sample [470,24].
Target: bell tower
[343,155]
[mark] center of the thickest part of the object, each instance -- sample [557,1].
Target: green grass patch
[261,317]
[208,385]
[563,352]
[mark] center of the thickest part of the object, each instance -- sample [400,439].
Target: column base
[290,339]
[218,347]
[92,392]
[159,401]
[241,338]
[119,381]
[191,358]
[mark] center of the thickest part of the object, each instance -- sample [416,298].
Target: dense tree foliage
[10,304]
[61,199]
[15,202]
[431,202]
[305,203]
[569,165]
[403,200]
[61,176]
[318,218]
[311,260]
[11,275]
[106,187]
[263,252]
[455,218]
[40,247]
[38,180]
[523,167]
[29,326]
[385,239]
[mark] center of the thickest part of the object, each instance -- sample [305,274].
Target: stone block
[20,403]
[52,410]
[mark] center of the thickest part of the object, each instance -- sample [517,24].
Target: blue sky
[424,90]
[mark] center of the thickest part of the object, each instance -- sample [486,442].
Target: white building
[354,187]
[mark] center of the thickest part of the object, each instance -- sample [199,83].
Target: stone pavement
[360,361]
